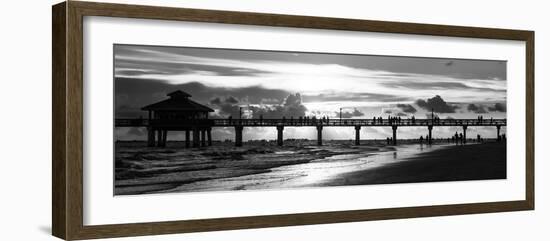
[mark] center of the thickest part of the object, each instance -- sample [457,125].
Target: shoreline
[223,169]
[450,163]
[142,172]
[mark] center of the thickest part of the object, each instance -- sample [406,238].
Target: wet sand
[450,163]
[299,164]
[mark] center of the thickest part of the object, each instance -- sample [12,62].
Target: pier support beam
[203,137]
[430,127]
[150,137]
[187,138]
[394,128]
[209,134]
[464,133]
[357,135]
[238,135]
[498,133]
[164,137]
[159,138]
[319,135]
[196,137]
[280,135]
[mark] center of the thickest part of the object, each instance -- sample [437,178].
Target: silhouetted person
[461,137]
[478,138]
[388,140]
[421,139]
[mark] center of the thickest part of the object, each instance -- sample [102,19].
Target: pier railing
[309,122]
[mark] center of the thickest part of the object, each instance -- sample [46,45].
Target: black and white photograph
[191,119]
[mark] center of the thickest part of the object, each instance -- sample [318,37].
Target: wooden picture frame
[67,124]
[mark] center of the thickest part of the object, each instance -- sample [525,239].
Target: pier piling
[187,138]
[319,135]
[209,134]
[159,138]
[238,135]
[394,128]
[430,127]
[150,137]
[464,133]
[498,132]
[280,135]
[203,138]
[357,135]
[196,137]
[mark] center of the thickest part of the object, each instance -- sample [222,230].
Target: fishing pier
[179,113]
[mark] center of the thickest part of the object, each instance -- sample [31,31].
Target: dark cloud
[476,108]
[227,106]
[394,112]
[498,107]
[355,97]
[436,104]
[133,93]
[354,113]
[407,108]
[418,85]
[291,107]
[216,101]
[231,100]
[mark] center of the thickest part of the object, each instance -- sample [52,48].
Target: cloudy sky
[277,84]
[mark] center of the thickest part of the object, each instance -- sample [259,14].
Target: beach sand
[450,163]
[260,165]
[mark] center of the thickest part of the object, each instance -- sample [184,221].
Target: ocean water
[256,165]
